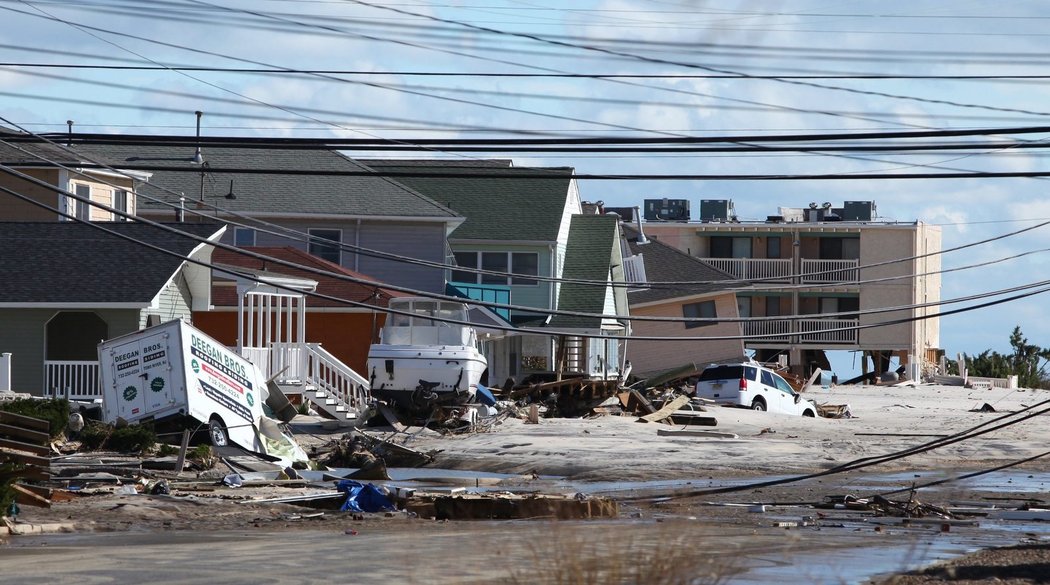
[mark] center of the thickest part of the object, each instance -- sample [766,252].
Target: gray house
[68,286]
[377,221]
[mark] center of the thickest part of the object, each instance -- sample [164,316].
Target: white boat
[420,362]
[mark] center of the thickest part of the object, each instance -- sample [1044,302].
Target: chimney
[638,220]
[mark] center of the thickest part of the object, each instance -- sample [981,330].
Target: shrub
[54,411]
[129,439]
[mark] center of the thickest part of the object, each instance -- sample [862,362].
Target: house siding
[425,241]
[173,302]
[23,334]
[14,209]
[649,357]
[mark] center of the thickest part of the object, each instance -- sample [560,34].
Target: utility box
[666,210]
[858,211]
[716,210]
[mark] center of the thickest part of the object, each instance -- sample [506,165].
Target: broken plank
[689,417]
[27,498]
[391,417]
[40,450]
[666,411]
[24,458]
[27,422]
[688,433]
[21,433]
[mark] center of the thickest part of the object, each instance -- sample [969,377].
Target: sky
[593,68]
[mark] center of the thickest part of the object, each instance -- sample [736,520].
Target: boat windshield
[423,311]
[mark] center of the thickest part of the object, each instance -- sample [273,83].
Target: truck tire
[217,432]
[758,404]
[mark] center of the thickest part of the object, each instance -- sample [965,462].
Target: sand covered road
[886,419]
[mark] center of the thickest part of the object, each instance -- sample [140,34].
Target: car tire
[758,404]
[809,413]
[217,432]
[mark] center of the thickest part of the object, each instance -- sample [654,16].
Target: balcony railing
[777,269]
[75,380]
[813,271]
[821,331]
[827,271]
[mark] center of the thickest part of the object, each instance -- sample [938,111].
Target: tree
[1028,362]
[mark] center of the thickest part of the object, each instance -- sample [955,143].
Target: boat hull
[424,375]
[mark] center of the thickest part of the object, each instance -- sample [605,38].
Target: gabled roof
[78,264]
[664,263]
[317,190]
[226,296]
[498,203]
[588,256]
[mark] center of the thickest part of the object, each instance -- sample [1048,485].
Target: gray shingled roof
[270,192]
[664,263]
[496,208]
[18,154]
[587,257]
[66,262]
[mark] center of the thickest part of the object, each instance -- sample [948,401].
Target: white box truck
[174,370]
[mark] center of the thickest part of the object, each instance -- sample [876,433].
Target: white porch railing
[768,330]
[825,271]
[828,330]
[754,268]
[75,380]
[809,330]
[336,379]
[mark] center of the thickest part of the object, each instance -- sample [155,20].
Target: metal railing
[825,271]
[74,380]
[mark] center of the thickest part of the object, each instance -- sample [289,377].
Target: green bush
[129,439]
[54,411]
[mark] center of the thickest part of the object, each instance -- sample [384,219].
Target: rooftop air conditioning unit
[716,210]
[858,211]
[666,210]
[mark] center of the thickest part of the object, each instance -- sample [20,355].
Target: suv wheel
[758,404]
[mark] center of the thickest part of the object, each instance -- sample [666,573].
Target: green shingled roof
[588,256]
[497,206]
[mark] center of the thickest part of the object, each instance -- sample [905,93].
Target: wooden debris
[691,433]
[666,411]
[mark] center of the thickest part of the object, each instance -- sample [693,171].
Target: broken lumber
[666,411]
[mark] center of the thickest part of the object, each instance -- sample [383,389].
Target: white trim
[120,174]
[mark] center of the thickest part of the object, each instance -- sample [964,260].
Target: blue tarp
[363,498]
[485,396]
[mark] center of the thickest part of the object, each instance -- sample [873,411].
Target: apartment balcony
[813,271]
[808,331]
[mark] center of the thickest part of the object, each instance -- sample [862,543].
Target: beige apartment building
[823,279]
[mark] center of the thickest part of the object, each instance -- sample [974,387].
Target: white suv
[752,386]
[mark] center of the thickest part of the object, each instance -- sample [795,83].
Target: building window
[702,310]
[730,247]
[243,237]
[773,247]
[524,263]
[496,262]
[326,251]
[83,208]
[120,203]
[466,260]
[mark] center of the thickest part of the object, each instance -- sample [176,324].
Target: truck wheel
[758,404]
[217,432]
